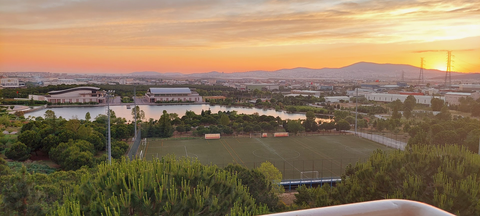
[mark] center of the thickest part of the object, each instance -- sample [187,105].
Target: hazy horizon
[202,72]
[190,37]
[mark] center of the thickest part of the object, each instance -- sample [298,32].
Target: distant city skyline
[112,36]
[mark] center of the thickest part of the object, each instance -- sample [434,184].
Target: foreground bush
[159,187]
[446,177]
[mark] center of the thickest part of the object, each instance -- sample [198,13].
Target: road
[382,140]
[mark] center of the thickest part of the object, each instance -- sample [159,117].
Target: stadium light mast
[356,110]
[109,144]
[135,110]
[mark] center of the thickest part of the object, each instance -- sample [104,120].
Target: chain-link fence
[134,148]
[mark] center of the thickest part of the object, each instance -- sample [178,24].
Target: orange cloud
[199,36]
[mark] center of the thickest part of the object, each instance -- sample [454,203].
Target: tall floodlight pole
[356,110]
[109,147]
[135,110]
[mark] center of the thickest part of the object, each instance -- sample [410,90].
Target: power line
[448,72]
[420,77]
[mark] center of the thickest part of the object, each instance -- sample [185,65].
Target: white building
[10,83]
[384,97]
[84,94]
[469,87]
[172,94]
[306,92]
[452,98]
[361,92]
[337,99]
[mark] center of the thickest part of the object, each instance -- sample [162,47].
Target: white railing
[390,207]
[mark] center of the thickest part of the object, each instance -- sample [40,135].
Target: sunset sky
[122,36]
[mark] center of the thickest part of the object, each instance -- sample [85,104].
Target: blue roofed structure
[164,95]
[170,91]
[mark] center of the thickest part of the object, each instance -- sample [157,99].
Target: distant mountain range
[360,70]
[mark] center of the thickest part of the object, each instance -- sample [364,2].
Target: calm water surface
[156,111]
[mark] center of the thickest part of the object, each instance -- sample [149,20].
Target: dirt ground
[288,198]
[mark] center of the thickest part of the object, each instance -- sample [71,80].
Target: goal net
[309,175]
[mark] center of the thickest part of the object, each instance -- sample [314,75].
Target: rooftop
[91,88]
[170,90]
[458,93]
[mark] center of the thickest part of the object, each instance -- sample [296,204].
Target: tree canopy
[446,177]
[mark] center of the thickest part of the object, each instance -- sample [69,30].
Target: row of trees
[73,143]
[231,122]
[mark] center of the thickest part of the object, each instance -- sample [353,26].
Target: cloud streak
[222,24]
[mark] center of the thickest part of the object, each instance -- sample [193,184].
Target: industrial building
[453,98]
[172,94]
[337,99]
[306,93]
[382,97]
[469,87]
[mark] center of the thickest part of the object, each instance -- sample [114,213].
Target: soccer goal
[309,175]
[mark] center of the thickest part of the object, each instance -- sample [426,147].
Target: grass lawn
[301,157]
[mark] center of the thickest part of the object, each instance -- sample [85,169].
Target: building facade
[382,97]
[84,94]
[172,94]
[453,98]
[10,83]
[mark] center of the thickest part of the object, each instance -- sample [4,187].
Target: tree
[21,197]
[18,151]
[224,120]
[396,114]
[342,125]
[87,117]
[119,148]
[31,139]
[428,174]
[73,125]
[180,128]
[437,104]
[165,125]
[140,113]
[339,115]
[396,104]
[409,103]
[444,114]
[51,118]
[294,126]
[49,114]
[72,155]
[310,124]
[273,175]
[259,187]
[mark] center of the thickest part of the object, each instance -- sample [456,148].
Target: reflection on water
[156,111]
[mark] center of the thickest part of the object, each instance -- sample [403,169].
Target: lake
[152,111]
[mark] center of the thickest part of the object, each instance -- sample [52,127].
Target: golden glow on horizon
[175,36]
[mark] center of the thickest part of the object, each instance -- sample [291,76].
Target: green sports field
[301,157]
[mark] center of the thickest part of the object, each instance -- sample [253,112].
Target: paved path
[382,140]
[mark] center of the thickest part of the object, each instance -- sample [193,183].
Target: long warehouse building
[172,94]
[383,97]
